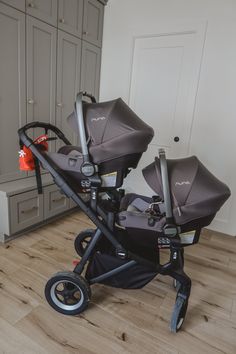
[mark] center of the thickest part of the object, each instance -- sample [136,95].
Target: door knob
[176,139]
[59,104]
[31,4]
[62,20]
[86,33]
[30,101]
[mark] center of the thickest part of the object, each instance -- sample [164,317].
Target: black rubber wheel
[82,241]
[68,293]
[176,285]
[178,314]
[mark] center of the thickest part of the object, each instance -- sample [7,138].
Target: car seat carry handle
[90,96]
[87,167]
[80,122]
[166,187]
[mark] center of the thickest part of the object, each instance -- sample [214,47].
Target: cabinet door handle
[62,20]
[31,101]
[31,5]
[58,199]
[26,211]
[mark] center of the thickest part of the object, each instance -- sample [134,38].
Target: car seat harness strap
[38,175]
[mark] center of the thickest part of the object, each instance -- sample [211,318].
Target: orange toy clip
[26,157]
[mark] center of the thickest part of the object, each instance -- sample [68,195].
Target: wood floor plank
[233,312]
[15,303]
[211,254]
[12,341]
[60,254]
[151,322]
[7,266]
[72,333]
[117,321]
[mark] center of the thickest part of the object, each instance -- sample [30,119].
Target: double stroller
[123,250]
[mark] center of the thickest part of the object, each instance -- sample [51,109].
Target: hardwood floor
[117,321]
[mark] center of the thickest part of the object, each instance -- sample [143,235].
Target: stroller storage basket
[105,260]
[134,277]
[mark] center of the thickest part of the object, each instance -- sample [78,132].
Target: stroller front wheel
[178,314]
[68,293]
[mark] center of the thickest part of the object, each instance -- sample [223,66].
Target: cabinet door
[68,80]
[54,202]
[93,22]
[45,10]
[26,209]
[18,4]
[41,72]
[90,69]
[70,16]
[12,89]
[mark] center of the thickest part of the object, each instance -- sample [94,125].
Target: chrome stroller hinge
[94,194]
[121,253]
[151,208]
[154,203]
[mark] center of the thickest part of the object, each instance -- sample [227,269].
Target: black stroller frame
[105,223]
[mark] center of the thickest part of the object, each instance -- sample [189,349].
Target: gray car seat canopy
[195,191]
[113,130]
[115,138]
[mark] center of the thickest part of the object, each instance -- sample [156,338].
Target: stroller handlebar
[27,141]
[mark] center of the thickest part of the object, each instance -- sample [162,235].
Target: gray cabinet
[41,72]
[45,10]
[26,210]
[93,22]
[68,80]
[22,208]
[18,4]
[50,50]
[54,202]
[90,68]
[70,16]
[12,89]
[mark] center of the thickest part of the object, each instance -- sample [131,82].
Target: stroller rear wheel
[82,241]
[68,293]
[179,313]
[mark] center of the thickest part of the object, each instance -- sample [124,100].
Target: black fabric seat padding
[129,198]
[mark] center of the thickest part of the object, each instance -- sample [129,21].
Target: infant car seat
[116,138]
[196,196]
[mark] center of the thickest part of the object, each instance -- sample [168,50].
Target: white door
[163,89]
